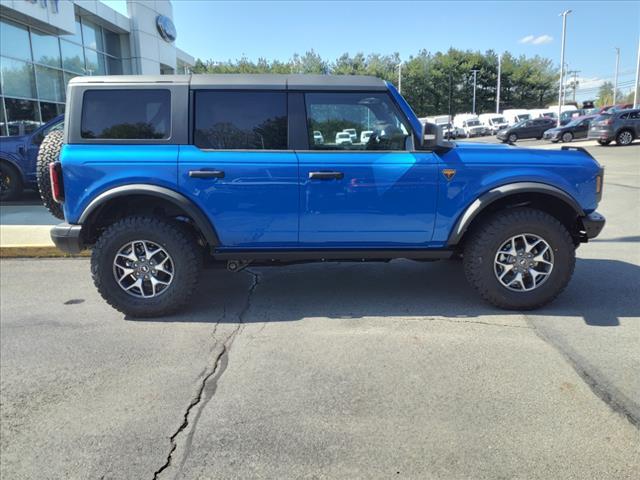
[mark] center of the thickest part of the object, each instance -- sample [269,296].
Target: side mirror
[432,138]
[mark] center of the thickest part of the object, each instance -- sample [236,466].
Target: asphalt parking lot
[331,370]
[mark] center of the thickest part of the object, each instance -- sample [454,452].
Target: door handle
[326,175]
[206,173]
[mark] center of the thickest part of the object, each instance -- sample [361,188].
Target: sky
[227,30]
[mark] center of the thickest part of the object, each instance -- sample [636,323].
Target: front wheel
[10,182]
[519,259]
[513,138]
[146,266]
[567,137]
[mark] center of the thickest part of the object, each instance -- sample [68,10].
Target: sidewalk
[24,231]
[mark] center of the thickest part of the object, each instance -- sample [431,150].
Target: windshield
[473,123]
[522,117]
[498,120]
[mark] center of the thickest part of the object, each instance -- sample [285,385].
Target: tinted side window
[354,121]
[240,120]
[634,115]
[126,114]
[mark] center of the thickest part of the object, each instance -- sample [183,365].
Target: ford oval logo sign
[166,28]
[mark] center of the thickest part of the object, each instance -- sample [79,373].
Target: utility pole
[400,77]
[475,72]
[450,80]
[564,31]
[498,87]
[615,78]
[635,94]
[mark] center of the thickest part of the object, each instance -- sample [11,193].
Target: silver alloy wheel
[523,262]
[567,137]
[625,138]
[143,269]
[513,138]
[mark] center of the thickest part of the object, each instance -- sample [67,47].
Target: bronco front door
[368,193]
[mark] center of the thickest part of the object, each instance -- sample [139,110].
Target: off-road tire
[481,248]
[178,242]
[11,186]
[567,137]
[49,152]
[624,138]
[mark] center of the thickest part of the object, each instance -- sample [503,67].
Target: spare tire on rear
[49,152]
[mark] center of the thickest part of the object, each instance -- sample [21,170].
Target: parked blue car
[156,174]
[18,158]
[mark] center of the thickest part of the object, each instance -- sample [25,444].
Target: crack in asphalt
[209,383]
[611,396]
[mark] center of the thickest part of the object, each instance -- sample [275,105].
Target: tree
[431,82]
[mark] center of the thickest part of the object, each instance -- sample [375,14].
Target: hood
[498,153]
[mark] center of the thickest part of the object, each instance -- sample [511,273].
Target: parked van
[493,122]
[470,124]
[543,112]
[515,115]
[444,122]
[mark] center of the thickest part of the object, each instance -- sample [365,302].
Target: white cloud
[527,39]
[539,40]
[542,39]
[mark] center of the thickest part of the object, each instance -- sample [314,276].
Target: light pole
[564,31]
[400,77]
[635,94]
[615,78]
[498,87]
[474,89]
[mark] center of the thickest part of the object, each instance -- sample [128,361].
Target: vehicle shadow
[601,292]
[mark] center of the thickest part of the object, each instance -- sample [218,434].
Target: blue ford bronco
[161,174]
[18,153]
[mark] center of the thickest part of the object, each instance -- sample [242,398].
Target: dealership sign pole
[615,78]
[564,30]
[498,87]
[635,94]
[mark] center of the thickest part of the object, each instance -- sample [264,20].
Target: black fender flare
[487,198]
[182,202]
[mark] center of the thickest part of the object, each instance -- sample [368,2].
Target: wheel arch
[138,198]
[545,197]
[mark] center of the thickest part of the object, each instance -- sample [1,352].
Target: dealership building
[45,43]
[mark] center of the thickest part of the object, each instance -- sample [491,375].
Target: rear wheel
[146,266]
[10,182]
[567,137]
[625,137]
[49,152]
[519,259]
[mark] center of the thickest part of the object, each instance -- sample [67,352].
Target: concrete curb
[37,251]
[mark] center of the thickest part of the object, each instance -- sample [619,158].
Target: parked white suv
[352,132]
[343,138]
[317,137]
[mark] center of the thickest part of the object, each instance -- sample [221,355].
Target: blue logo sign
[166,28]
[45,4]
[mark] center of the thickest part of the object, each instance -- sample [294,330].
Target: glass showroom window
[46,49]
[14,40]
[17,78]
[72,57]
[22,116]
[50,84]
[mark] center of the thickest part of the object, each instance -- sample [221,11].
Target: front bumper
[592,224]
[67,237]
